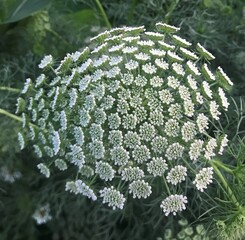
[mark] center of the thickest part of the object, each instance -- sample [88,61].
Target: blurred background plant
[30,29]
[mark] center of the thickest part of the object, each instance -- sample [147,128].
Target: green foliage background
[29,29]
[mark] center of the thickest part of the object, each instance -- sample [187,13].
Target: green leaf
[15,10]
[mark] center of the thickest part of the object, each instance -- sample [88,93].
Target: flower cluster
[135,107]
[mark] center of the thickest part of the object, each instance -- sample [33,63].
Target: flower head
[113,110]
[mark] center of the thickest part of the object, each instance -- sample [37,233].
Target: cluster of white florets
[136,107]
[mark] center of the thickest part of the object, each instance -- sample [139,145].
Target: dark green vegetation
[31,29]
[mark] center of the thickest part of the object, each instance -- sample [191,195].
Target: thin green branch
[166,185]
[225,184]
[19,119]
[10,89]
[103,13]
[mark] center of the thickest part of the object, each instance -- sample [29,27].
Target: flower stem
[19,119]
[224,182]
[166,185]
[103,13]
[10,89]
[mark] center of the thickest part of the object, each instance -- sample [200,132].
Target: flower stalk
[225,184]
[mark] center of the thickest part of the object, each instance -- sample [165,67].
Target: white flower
[177,174]
[141,154]
[131,65]
[223,144]
[21,140]
[178,69]
[174,151]
[184,93]
[207,89]
[196,149]
[42,214]
[210,147]
[148,43]
[172,128]
[181,41]
[131,39]
[173,56]
[166,96]
[223,76]
[142,56]
[166,27]
[132,173]
[157,52]
[213,108]
[140,189]
[149,68]
[56,142]
[188,131]
[113,72]
[173,82]
[207,72]
[166,46]
[189,54]
[113,197]
[116,48]
[161,63]
[61,164]
[44,170]
[191,81]
[203,178]
[156,81]
[223,98]
[115,60]
[129,49]
[157,166]
[119,156]
[189,108]
[82,188]
[205,52]
[105,170]
[27,85]
[202,122]
[192,67]
[159,144]
[46,61]
[85,66]
[173,204]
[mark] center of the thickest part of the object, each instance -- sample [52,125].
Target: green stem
[224,182]
[103,13]
[170,10]
[166,185]
[19,119]
[10,89]
[225,168]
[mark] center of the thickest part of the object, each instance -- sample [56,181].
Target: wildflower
[42,214]
[223,144]
[157,166]
[44,170]
[61,164]
[115,109]
[177,174]
[196,149]
[21,140]
[113,197]
[223,98]
[205,52]
[173,204]
[105,170]
[132,173]
[203,178]
[46,61]
[140,189]
[210,147]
